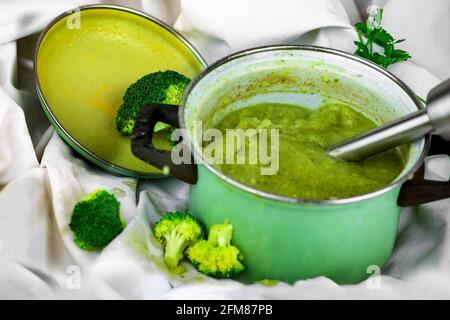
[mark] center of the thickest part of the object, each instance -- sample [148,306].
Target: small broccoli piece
[171,142]
[96,220]
[216,256]
[165,87]
[177,230]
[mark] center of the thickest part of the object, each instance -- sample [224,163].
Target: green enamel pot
[284,238]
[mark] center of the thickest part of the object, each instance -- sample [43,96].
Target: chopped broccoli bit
[172,143]
[96,220]
[216,256]
[165,87]
[177,230]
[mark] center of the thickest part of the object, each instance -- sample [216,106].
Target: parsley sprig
[371,33]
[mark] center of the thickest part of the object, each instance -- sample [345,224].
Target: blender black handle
[418,190]
[143,148]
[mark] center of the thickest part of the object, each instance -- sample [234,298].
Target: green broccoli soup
[306,171]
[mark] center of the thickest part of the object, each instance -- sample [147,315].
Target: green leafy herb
[371,33]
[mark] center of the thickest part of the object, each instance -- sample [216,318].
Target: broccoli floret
[216,256]
[177,230]
[96,220]
[164,87]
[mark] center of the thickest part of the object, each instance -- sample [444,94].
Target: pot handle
[418,190]
[142,145]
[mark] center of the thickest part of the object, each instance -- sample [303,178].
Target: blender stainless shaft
[435,118]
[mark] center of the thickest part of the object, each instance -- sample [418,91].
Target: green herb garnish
[371,33]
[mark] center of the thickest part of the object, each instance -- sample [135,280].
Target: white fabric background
[41,178]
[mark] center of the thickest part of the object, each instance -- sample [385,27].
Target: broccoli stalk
[220,235]
[165,87]
[96,220]
[216,256]
[176,243]
[177,230]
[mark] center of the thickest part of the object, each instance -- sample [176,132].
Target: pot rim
[266,195]
[46,106]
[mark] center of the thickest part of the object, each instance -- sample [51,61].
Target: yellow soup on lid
[85,66]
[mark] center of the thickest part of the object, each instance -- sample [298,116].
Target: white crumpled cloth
[41,178]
